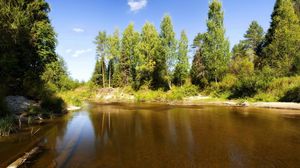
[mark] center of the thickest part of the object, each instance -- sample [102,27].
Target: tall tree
[182,66]
[197,72]
[113,57]
[251,44]
[149,51]
[281,49]
[128,57]
[168,39]
[254,36]
[101,49]
[28,44]
[215,50]
[97,77]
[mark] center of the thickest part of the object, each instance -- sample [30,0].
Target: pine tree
[197,72]
[113,58]
[128,57]
[97,77]
[167,36]
[182,66]
[149,51]
[254,36]
[281,48]
[248,47]
[101,42]
[215,50]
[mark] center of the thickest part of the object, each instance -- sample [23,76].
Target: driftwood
[19,162]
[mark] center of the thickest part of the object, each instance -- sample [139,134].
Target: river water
[154,136]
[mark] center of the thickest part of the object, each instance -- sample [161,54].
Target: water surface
[149,135]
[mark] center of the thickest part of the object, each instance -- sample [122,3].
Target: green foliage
[182,66]
[179,93]
[53,104]
[279,90]
[292,95]
[78,96]
[98,77]
[56,77]
[281,47]
[149,50]
[215,48]
[254,36]
[129,58]
[99,74]
[168,41]
[7,125]
[114,48]
[197,72]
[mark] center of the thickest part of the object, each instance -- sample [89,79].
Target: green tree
[197,72]
[167,36]
[251,44]
[254,36]
[102,50]
[281,48]
[128,57]
[215,50]
[149,52]
[27,45]
[182,66]
[97,77]
[113,58]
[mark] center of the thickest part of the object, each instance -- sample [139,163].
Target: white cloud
[136,5]
[68,51]
[78,53]
[78,30]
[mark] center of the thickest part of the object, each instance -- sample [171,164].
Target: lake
[154,136]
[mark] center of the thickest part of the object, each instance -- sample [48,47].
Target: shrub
[292,95]
[278,89]
[178,93]
[53,104]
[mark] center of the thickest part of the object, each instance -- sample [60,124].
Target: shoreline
[226,103]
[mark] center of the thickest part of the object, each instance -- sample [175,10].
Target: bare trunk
[103,75]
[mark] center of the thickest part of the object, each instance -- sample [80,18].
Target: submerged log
[19,162]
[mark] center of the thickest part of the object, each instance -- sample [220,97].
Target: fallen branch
[19,162]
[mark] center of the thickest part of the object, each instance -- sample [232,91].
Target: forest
[264,66]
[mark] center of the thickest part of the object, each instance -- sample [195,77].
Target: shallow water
[149,135]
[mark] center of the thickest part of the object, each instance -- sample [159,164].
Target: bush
[7,125]
[178,93]
[279,89]
[76,97]
[292,95]
[53,104]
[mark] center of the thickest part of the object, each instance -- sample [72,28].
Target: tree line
[158,60]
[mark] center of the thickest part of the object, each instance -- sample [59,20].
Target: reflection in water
[145,135]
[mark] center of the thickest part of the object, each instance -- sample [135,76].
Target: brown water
[144,135]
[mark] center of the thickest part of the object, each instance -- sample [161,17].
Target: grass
[76,97]
[7,125]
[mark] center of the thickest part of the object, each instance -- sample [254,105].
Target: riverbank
[176,96]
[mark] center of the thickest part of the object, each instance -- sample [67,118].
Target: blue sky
[77,22]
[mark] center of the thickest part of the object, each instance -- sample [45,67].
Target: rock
[18,104]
